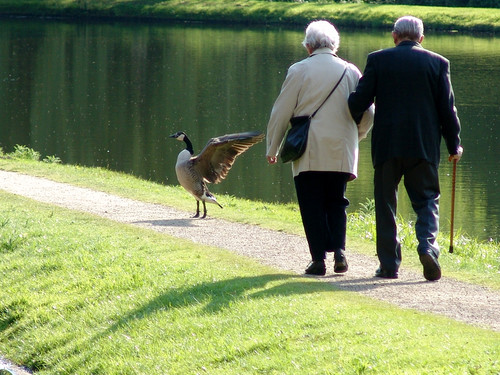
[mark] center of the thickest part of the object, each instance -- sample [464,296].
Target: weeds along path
[458,300]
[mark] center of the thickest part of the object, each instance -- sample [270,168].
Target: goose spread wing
[218,156]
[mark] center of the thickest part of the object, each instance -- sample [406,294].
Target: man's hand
[458,155]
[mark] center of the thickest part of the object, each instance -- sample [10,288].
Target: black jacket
[414,103]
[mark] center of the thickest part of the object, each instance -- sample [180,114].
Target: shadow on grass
[213,297]
[189,222]
[370,283]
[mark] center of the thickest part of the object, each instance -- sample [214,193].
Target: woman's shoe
[385,274]
[340,265]
[316,267]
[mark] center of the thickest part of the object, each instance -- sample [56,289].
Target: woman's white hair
[321,34]
[409,27]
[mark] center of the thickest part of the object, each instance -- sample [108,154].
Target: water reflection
[110,94]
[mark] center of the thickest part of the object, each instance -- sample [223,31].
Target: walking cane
[453,178]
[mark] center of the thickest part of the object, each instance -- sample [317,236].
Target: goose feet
[197,214]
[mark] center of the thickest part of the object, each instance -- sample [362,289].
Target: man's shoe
[432,270]
[340,265]
[385,274]
[316,267]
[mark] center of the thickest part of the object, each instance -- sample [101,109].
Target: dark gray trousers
[421,181]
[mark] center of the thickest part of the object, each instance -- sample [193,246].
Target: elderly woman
[331,156]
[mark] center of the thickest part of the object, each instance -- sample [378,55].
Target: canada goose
[211,165]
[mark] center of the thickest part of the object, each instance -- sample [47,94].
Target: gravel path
[458,300]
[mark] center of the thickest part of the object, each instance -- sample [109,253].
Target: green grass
[261,12]
[472,261]
[83,295]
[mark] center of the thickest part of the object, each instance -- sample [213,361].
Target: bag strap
[331,92]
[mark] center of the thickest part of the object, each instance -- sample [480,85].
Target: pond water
[110,94]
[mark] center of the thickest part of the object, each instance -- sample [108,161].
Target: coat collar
[409,43]
[322,51]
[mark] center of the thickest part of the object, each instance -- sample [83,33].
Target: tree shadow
[215,296]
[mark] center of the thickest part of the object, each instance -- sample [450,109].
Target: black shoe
[432,270]
[340,265]
[385,274]
[316,267]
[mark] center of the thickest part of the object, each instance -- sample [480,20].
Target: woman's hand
[272,159]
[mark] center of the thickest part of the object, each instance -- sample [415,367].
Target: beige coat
[333,135]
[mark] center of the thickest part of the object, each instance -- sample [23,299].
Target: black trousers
[323,209]
[421,181]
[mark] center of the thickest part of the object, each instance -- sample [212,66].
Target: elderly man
[414,108]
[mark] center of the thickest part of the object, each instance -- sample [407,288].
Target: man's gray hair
[321,34]
[409,27]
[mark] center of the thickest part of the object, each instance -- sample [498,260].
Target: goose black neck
[189,145]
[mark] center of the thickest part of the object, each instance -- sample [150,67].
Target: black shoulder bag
[296,138]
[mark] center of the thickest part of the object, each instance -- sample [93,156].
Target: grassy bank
[84,295]
[259,12]
[472,261]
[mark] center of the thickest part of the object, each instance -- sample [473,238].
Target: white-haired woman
[331,156]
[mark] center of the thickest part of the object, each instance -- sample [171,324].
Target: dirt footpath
[457,300]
